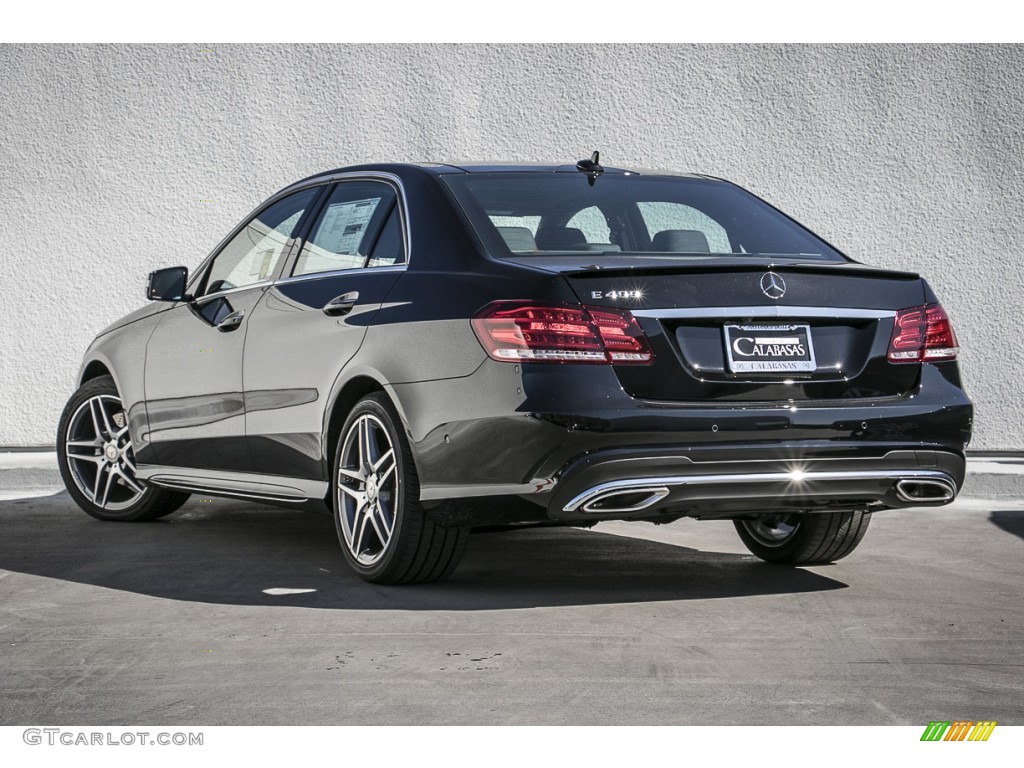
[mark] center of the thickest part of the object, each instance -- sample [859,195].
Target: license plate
[769,348]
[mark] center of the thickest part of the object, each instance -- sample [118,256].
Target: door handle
[341,305]
[231,322]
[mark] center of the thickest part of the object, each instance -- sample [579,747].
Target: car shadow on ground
[226,552]
[1009,520]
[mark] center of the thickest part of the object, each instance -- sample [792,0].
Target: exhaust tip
[925,491]
[625,499]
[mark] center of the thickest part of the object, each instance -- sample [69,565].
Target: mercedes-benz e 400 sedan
[424,349]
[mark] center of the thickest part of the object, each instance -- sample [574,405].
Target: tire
[804,539]
[97,460]
[382,528]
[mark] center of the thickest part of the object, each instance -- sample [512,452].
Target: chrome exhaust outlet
[857,487]
[925,491]
[625,499]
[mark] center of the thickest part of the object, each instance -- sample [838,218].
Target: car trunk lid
[753,329]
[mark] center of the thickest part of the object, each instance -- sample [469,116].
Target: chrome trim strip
[435,492]
[195,274]
[298,187]
[908,453]
[222,492]
[776,310]
[403,201]
[253,486]
[587,496]
[206,296]
[339,272]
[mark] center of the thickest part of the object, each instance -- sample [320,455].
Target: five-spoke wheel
[368,482]
[99,453]
[97,459]
[385,533]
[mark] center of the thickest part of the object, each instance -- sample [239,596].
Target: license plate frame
[762,348]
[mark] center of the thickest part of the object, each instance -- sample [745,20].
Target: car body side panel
[293,355]
[122,351]
[144,312]
[194,385]
[423,331]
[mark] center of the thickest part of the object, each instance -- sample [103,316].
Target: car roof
[440,168]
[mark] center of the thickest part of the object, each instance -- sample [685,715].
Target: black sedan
[424,349]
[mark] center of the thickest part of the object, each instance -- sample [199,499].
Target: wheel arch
[93,370]
[97,365]
[349,392]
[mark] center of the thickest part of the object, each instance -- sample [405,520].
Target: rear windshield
[545,214]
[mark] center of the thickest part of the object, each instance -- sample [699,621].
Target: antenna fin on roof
[591,167]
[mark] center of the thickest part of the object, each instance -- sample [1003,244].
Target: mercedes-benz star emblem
[772,285]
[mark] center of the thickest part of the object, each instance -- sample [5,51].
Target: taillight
[921,334]
[516,331]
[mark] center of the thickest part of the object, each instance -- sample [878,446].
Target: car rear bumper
[629,484]
[563,432]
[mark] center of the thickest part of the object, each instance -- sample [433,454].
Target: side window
[389,249]
[347,228]
[674,227]
[253,254]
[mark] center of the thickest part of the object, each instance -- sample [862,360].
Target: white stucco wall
[115,160]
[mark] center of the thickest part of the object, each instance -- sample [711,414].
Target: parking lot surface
[232,613]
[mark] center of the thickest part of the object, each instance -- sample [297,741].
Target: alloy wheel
[368,484]
[773,530]
[100,454]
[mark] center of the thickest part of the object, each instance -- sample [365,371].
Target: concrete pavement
[199,619]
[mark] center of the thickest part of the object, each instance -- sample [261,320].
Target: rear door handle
[232,321]
[341,305]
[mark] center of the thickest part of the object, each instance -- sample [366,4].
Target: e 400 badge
[634,295]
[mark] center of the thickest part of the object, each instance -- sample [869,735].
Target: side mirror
[168,284]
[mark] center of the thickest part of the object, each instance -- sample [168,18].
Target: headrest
[560,238]
[680,241]
[518,239]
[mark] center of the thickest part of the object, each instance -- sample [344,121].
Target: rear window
[545,214]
